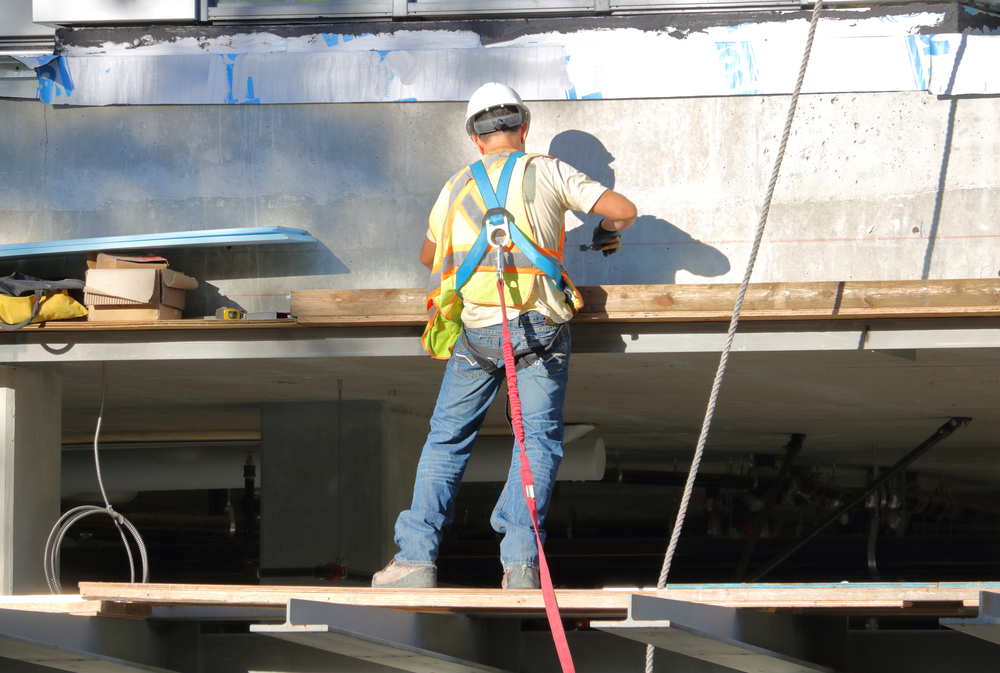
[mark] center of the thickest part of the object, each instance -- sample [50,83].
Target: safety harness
[497,232]
[499,219]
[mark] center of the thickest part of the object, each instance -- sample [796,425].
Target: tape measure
[229,314]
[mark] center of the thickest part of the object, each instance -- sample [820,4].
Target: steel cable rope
[723,360]
[54,542]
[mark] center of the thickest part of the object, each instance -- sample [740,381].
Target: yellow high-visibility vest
[462,224]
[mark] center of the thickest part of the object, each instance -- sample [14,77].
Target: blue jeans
[466,394]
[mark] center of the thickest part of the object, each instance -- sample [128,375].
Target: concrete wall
[874,186]
[30,427]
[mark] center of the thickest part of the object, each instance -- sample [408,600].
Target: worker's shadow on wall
[295,261]
[652,251]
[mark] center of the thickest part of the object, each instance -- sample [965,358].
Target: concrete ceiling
[647,407]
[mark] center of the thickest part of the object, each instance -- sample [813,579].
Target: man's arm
[427,253]
[618,212]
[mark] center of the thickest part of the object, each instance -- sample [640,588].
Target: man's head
[496,115]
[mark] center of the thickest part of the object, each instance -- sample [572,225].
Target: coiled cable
[66,521]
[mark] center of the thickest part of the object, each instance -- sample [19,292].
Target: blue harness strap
[498,199]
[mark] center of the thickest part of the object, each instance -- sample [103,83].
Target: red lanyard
[548,594]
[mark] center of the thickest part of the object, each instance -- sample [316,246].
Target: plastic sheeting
[876,55]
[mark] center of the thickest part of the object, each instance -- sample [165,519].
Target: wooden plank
[861,598]
[137,325]
[51,604]
[684,303]
[368,303]
[494,601]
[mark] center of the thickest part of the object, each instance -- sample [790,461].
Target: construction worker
[466,319]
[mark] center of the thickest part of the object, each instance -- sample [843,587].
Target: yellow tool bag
[24,300]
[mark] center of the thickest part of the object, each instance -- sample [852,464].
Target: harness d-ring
[495,228]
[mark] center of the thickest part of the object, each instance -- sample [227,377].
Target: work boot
[521,577]
[399,576]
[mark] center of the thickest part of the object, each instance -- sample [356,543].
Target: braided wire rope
[66,521]
[724,358]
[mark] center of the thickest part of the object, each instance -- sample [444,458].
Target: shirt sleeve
[577,191]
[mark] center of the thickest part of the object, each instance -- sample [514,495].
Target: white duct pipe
[157,469]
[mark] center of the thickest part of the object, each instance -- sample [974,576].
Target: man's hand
[606,241]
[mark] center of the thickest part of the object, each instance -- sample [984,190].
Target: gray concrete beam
[30,453]
[883,186]
[408,641]
[825,335]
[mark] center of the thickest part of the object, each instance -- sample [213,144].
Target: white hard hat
[490,96]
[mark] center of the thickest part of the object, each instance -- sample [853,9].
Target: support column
[30,445]
[330,482]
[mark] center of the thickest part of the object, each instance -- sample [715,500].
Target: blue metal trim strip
[211,237]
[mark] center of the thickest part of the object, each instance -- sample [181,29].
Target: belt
[484,355]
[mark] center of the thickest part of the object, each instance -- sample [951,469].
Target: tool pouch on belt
[24,300]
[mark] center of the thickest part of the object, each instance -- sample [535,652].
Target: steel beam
[743,640]
[81,644]
[986,625]
[408,641]
[64,659]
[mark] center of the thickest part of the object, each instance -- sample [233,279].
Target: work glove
[606,241]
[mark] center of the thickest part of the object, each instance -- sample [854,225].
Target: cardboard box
[132,313]
[101,260]
[147,293]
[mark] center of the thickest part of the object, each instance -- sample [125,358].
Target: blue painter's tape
[250,97]
[571,94]
[918,48]
[54,80]
[896,18]
[407,100]
[34,61]
[738,65]
[347,38]
[939,45]
[230,60]
[231,99]
[383,53]
[593,96]
[330,39]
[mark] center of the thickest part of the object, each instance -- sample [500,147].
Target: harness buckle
[497,234]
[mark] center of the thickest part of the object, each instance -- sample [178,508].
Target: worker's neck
[501,142]
[502,147]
